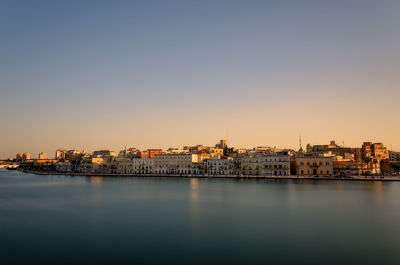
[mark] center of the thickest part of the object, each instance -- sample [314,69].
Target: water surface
[81,220]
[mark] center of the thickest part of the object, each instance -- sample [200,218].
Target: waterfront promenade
[358,178]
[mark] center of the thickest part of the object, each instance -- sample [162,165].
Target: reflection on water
[106,220]
[194,183]
[96,189]
[96,179]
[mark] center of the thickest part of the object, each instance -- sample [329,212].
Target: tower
[300,146]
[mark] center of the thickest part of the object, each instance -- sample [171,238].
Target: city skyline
[97,75]
[301,145]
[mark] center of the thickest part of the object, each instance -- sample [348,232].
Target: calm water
[79,220]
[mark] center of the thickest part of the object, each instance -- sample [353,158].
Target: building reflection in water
[194,184]
[195,220]
[97,191]
[96,179]
[378,188]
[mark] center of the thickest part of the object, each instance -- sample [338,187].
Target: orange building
[42,156]
[374,150]
[19,156]
[26,156]
[150,153]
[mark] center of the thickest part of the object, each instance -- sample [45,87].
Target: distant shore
[358,178]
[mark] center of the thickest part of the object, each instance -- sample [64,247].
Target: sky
[104,74]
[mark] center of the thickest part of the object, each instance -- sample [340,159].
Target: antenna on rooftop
[301,147]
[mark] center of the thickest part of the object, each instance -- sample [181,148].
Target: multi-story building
[374,150]
[128,153]
[64,166]
[173,150]
[332,147]
[219,166]
[394,156]
[262,149]
[150,153]
[107,155]
[213,151]
[276,165]
[26,156]
[42,156]
[143,165]
[84,165]
[19,157]
[175,163]
[60,154]
[248,164]
[198,149]
[222,144]
[357,154]
[72,155]
[100,165]
[314,165]
[125,167]
[349,168]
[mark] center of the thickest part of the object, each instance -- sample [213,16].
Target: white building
[60,154]
[218,166]
[142,165]
[249,164]
[275,165]
[125,166]
[175,163]
[63,166]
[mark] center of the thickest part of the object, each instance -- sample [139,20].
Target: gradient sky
[105,74]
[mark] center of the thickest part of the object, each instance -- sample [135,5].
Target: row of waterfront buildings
[315,160]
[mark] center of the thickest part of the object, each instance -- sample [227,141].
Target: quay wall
[368,178]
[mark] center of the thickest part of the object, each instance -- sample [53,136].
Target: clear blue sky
[104,74]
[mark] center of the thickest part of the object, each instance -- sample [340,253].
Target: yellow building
[214,151]
[308,165]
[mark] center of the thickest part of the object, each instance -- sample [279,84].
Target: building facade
[218,166]
[276,165]
[311,165]
[355,168]
[374,150]
[394,156]
[60,154]
[175,163]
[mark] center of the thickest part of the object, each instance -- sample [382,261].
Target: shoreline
[293,177]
